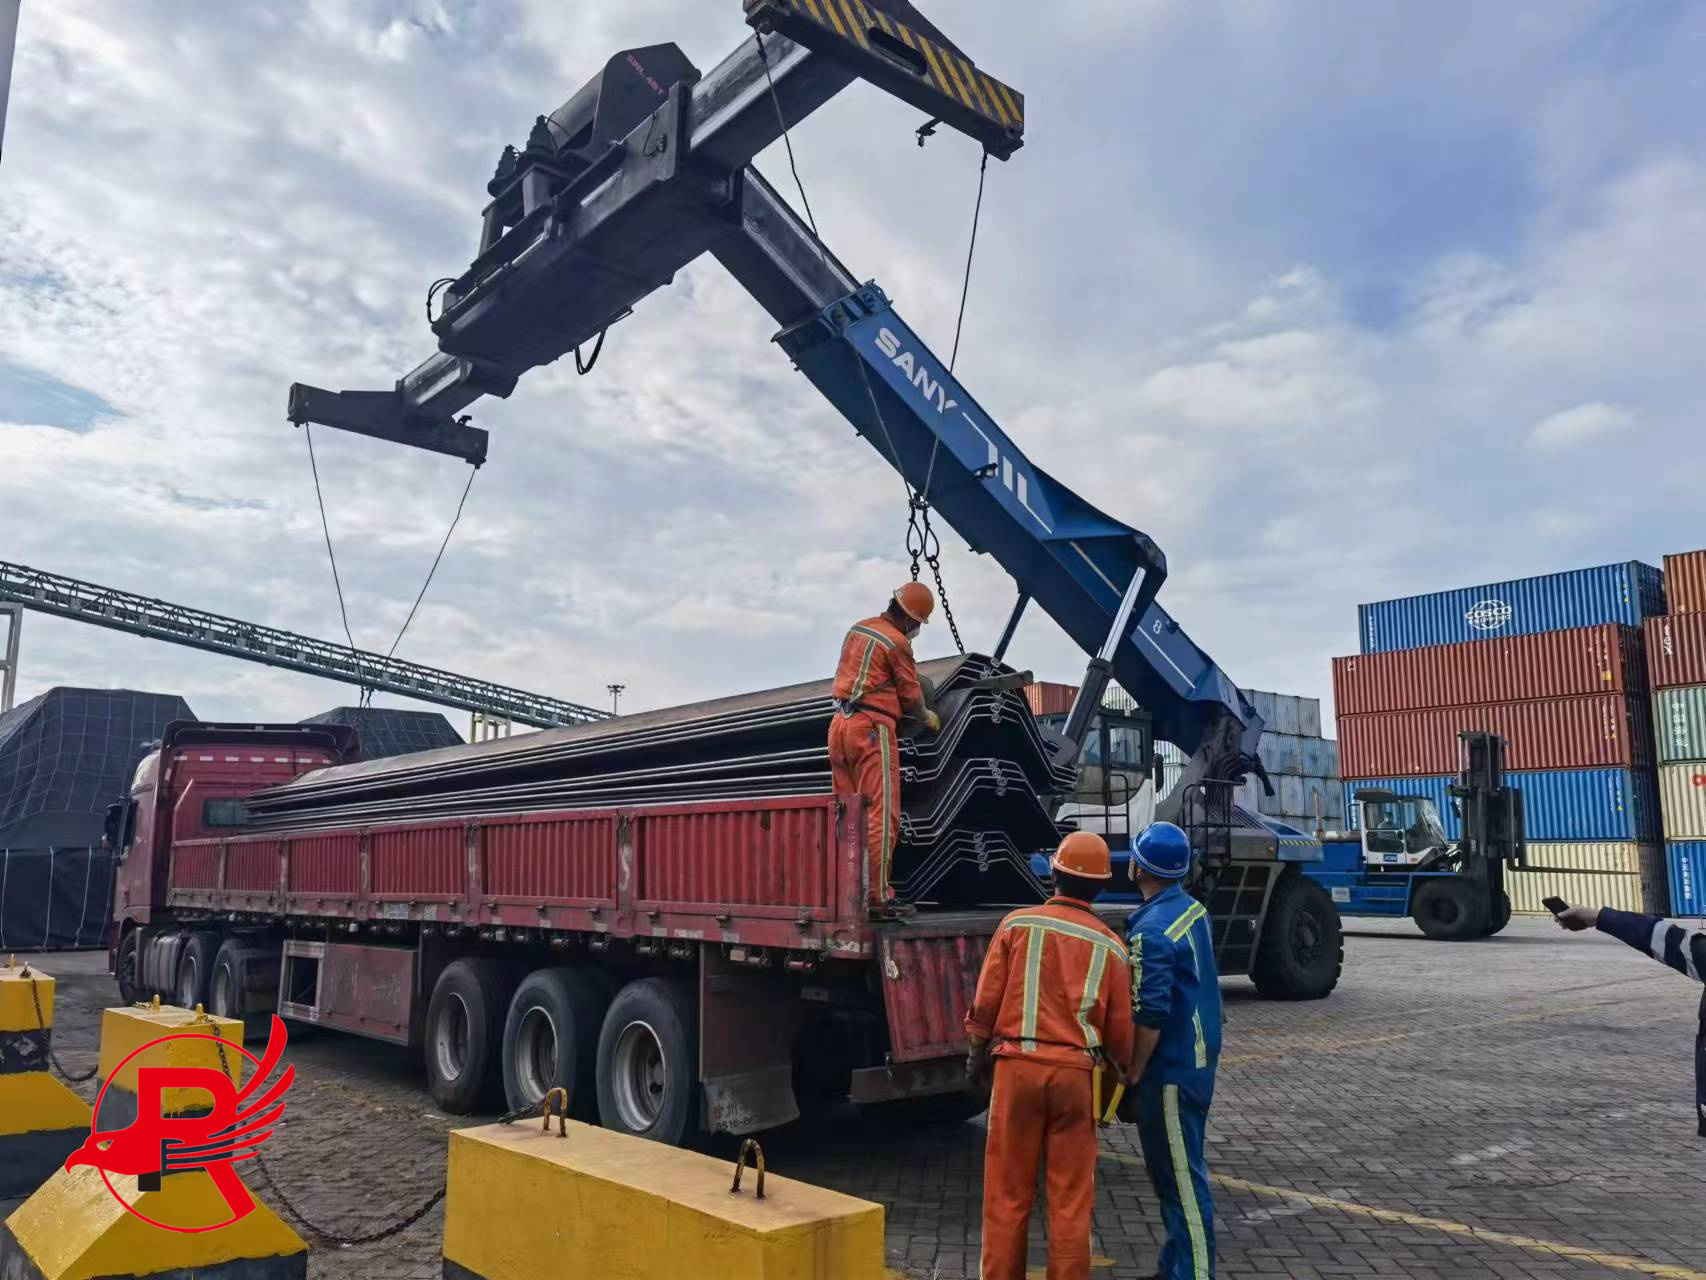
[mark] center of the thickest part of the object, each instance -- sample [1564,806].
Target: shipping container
[1559,804]
[1682,791]
[1685,582]
[1626,593]
[1560,733]
[1309,717]
[1320,758]
[1676,650]
[1047,698]
[1324,798]
[1621,856]
[1687,877]
[1287,799]
[1551,664]
[1655,880]
[1679,723]
[1528,890]
[1281,753]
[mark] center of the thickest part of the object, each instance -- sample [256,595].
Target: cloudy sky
[1338,301]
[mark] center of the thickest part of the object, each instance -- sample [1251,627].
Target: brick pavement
[1533,1088]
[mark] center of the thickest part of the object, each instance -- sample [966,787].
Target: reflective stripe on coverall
[1054,998]
[876,681]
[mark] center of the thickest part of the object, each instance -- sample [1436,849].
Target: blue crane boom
[646,168]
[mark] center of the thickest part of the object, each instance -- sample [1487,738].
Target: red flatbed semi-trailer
[678,967]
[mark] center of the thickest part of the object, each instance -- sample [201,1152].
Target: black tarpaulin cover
[54,899]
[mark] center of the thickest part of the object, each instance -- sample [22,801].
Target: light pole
[615,697]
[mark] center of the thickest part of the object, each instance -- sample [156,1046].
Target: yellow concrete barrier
[41,1120]
[124,1031]
[83,1224]
[523,1204]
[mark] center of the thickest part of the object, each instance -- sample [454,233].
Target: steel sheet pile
[972,798]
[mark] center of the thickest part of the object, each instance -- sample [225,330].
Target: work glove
[932,721]
[980,1071]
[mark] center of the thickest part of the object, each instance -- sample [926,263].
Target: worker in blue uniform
[1176,1006]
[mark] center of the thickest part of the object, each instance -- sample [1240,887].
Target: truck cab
[1119,776]
[1401,831]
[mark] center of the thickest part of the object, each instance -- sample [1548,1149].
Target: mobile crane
[604,950]
[646,168]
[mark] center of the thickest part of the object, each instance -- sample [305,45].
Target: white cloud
[1311,385]
[1584,423]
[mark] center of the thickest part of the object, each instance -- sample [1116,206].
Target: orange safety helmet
[1083,853]
[915,601]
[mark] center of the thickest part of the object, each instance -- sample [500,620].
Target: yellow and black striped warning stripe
[949,73]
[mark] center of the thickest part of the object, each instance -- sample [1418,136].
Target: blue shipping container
[1559,804]
[1624,593]
[1687,877]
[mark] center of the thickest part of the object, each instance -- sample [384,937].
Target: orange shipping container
[1550,664]
[1050,699]
[1561,733]
[1676,650]
[1685,582]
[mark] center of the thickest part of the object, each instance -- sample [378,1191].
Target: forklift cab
[1119,775]
[1400,831]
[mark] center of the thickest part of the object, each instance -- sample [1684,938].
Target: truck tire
[551,1040]
[195,970]
[1446,910]
[648,1054]
[1302,948]
[464,1034]
[244,985]
[125,966]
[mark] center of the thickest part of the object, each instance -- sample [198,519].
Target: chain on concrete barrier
[70,1077]
[314,1228]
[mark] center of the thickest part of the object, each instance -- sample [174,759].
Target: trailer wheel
[125,966]
[464,1033]
[1446,910]
[551,1040]
[648,1053]
[1302,948]
[195,970]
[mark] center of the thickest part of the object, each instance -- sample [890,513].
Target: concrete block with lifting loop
[181,1218]
[639,1208]
[41,1120]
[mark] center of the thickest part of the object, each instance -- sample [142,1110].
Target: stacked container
[1302,765]
[1676,659]
[1552,664]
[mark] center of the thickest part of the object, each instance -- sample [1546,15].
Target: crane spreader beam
[160,620]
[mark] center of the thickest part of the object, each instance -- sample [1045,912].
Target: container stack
[1676,661]
[1302,765]
[1554,665]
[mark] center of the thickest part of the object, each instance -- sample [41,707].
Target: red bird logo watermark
[155,1144]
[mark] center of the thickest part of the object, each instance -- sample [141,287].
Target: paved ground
[1512,1108]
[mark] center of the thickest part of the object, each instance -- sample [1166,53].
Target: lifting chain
[41,1022]
[922,544]
[313,1228]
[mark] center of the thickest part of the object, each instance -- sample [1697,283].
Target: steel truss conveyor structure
[974,799]
[160,620]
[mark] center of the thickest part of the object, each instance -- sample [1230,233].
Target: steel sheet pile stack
[972,798]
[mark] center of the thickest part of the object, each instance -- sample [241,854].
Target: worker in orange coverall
[1053,1008]
[876,684]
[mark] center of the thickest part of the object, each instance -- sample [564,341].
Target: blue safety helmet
[1164,851]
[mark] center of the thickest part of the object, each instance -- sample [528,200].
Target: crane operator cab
[1400,831]
[1119,776]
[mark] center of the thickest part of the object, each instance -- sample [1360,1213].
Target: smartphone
[1557,906]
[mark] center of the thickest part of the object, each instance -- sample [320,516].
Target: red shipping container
[1552,664]
[1050,699]
[1610,731]
[1685,582]
[1676,650]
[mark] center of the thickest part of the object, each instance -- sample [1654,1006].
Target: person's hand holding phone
[1575,919]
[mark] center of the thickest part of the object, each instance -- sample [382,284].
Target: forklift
[1401,863]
